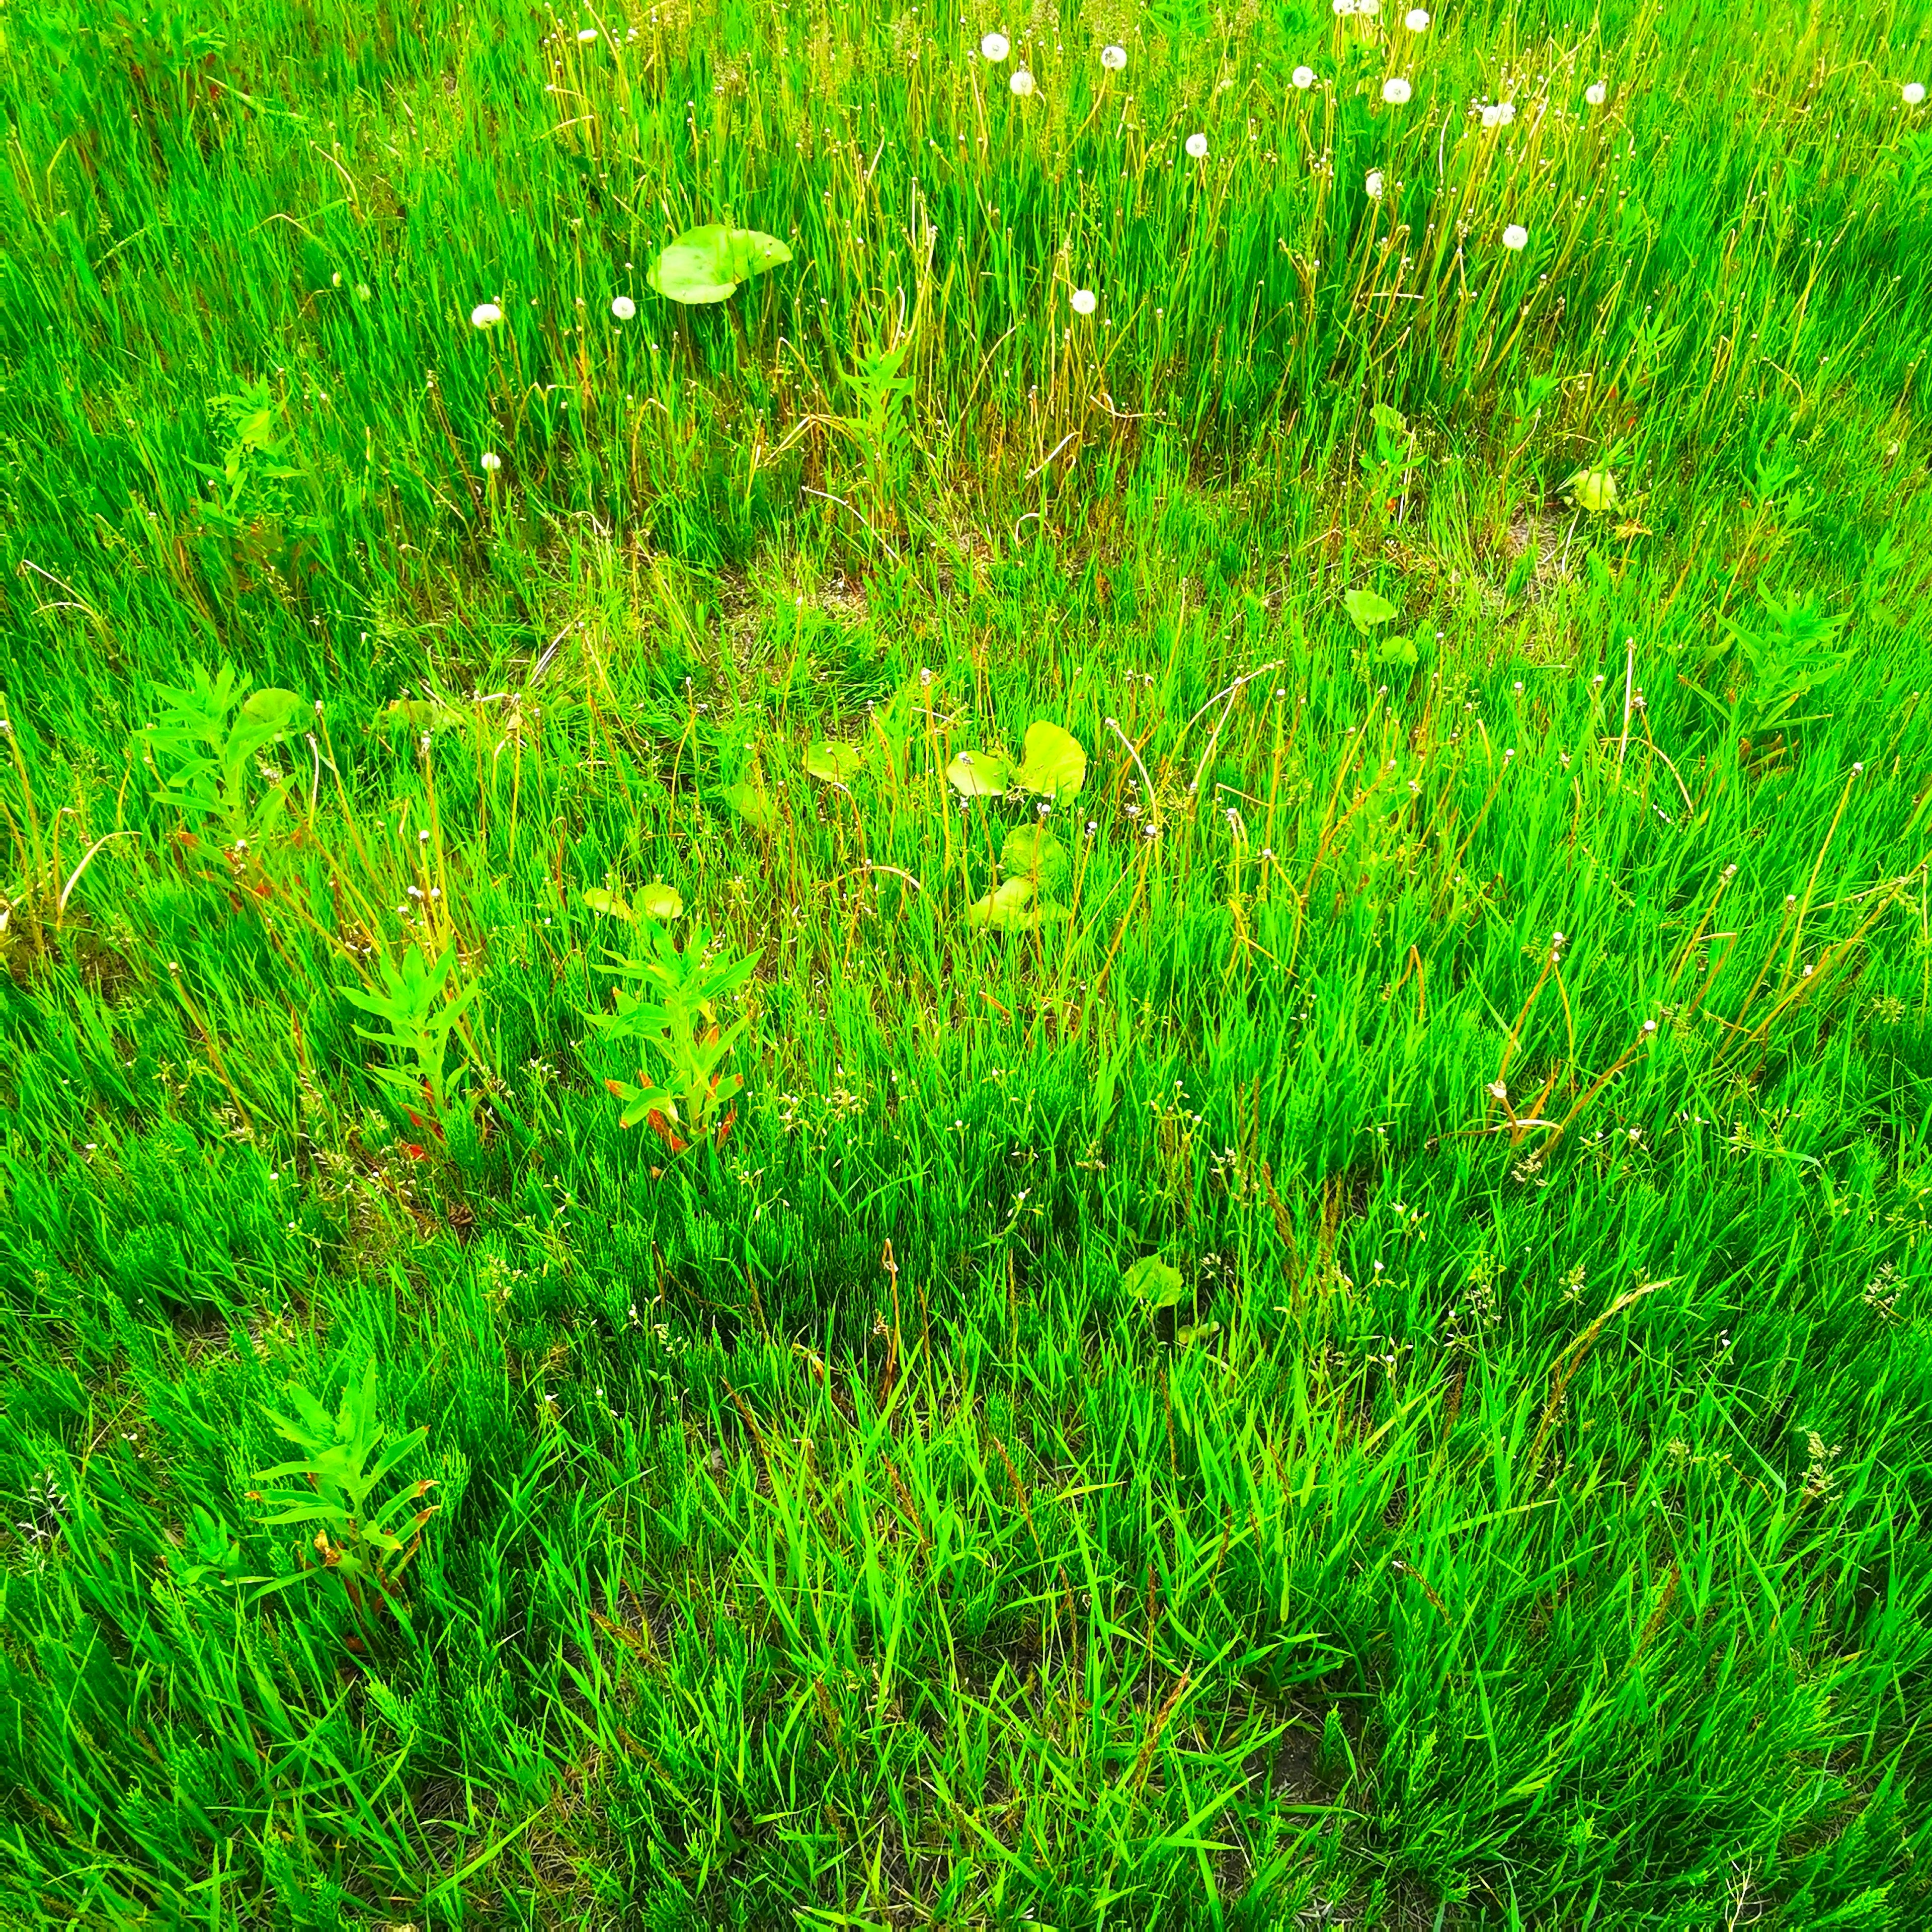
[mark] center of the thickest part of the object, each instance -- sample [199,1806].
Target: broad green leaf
[1592,489]
[836,764]
[1013,906]
[1394,420]
[750,805]
[659,901]
[607,903]
[1366,608]
[705,264]
[1053,763]
[1154,1283]
[269,710]
[1031,852]
[980,774]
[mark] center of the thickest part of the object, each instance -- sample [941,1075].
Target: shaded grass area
[1508,1020]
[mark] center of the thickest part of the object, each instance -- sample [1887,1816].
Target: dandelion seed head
[492,461]
[1374,184]
[1516,235]
[994,47]
[1197,146]
[1914,93]
[1113,58]
[1022,82]
[1416,20]
[622,308]
[1596,93]
[1084,301]
[485,315]
[1395,91]
[1303,77]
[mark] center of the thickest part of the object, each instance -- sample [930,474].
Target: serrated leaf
[1367,608]
[980,774]
[1154,1283]
[835,763]
[1054,762]
[607,903]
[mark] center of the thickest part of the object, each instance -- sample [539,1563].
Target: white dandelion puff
[1493,117]
[1343,8]
[622,308]
[994,47]
[1113,58]
[1416,20]
[1022,82]
[485,315]
[1596,93]
[1515,236]
[585,35]
[1395,91]
[1197,146]
[1303,77]
[1374,184]
[1505,113]
[1915,92]
[1084,300]
[492,461]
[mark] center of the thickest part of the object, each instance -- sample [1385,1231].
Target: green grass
[1520,1513]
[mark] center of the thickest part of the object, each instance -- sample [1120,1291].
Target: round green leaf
[607,903]
[1154,1283]
[750,805]
[836,764]
[1593,489]
[1054,762]
[1366,608]
[661,901]
[980,774]
[705,264]
[1031,853]
[1009,908]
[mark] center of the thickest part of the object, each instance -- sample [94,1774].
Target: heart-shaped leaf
[1154,1283]
[1366,608]
[607,903]
[705,264]
[1031,853]
[836,764]
[661,901]
[980,774]
[750,805]
[1053,763]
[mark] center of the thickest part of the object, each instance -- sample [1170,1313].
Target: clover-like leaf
[707,264]
[834,764]
[1053,763]
[1155,1283]
[980,774]
[1367,608]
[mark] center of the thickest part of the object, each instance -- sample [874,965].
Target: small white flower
[1416,20]
[585,35]
[1113,58]
[1084,301]
[622,308]
[1303,77]
[1197,146]
[485,315]
[1022,82]
[1515,236]
[995,47]
[1395,91]
[1596,93]
[492,461]
[1915,92]
[1374,184]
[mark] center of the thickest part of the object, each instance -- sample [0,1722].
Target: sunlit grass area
[1075,1074]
